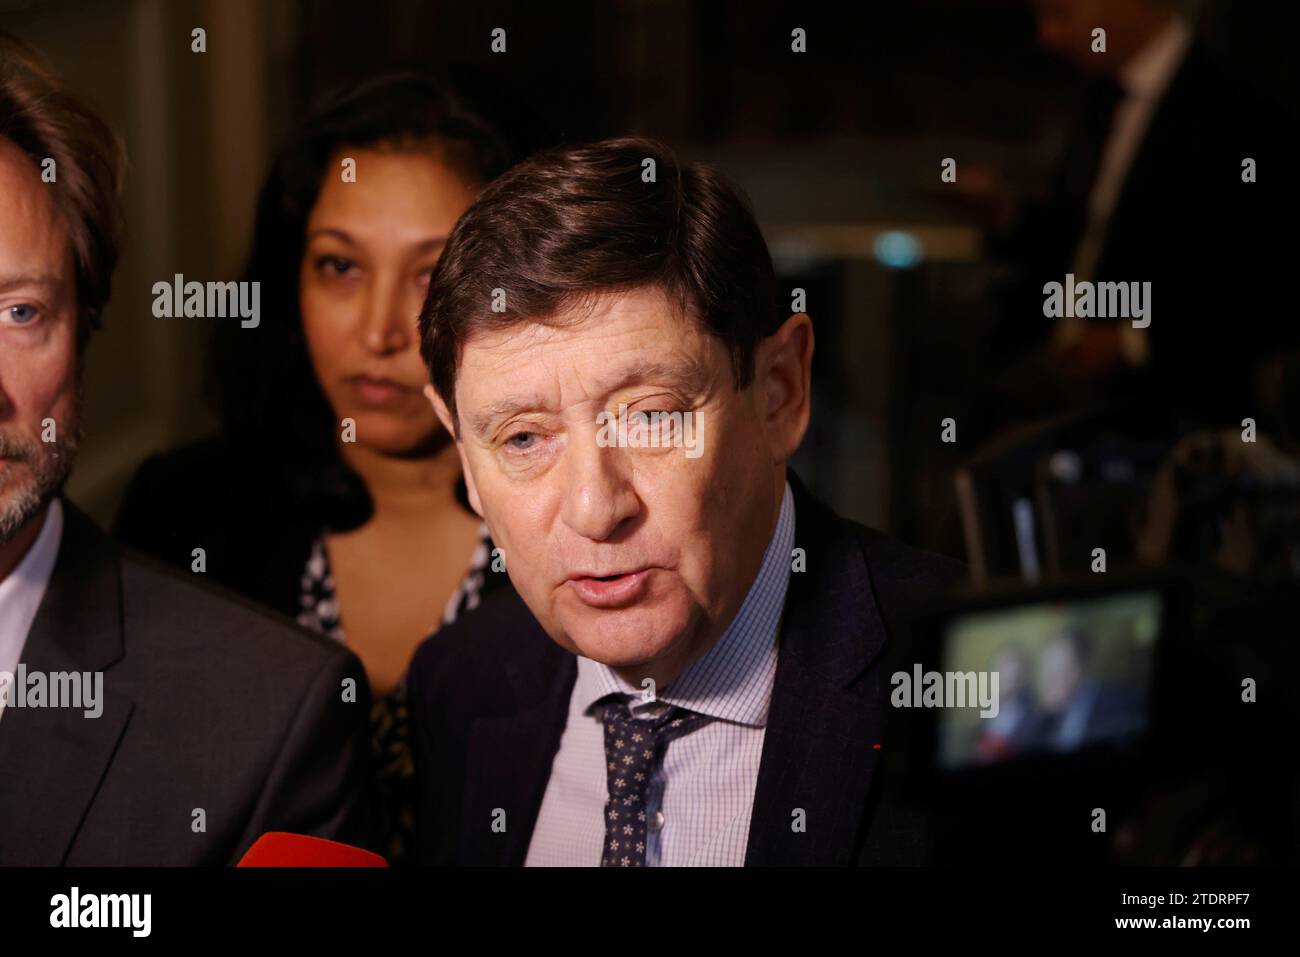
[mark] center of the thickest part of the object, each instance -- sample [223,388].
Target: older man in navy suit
[688,669]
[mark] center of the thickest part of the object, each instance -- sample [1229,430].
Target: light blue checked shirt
[701,797]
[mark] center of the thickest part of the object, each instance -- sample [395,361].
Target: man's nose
[599,496]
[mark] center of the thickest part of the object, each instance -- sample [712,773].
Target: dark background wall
[835,147]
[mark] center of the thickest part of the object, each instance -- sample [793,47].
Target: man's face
[635,557]
[38,344]
[1060,673]
[1010,666]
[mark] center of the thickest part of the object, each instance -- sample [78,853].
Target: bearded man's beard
[33,475]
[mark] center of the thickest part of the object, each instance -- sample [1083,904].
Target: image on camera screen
[1063,675]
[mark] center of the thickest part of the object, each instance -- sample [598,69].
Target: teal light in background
[897,249]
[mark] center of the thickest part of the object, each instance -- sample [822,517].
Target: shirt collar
[22,590]
[733,680]
[1149,72]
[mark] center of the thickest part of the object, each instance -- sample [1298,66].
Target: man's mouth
[611,590]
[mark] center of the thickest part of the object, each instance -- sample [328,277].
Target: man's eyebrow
[481,421]
[17,282]
[690,374]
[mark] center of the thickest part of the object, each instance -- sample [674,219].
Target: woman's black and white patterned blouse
[390,731]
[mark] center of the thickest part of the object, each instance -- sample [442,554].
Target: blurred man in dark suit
[143,720]
[688,670]
[1176,174]
[1077,707]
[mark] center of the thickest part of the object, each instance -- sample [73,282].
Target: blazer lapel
[52,759]
[510,752]
[818,759]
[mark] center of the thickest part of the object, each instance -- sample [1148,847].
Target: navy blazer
[490,695]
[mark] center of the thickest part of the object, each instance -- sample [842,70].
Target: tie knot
[661,726]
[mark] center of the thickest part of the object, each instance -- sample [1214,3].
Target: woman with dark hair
[333,494]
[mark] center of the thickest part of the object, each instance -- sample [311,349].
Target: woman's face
[370,247]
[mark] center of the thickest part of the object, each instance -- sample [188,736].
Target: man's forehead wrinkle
[605,344]
[500,350]
[501,346]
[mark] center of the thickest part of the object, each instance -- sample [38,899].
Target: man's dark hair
[575,222]
[48,123]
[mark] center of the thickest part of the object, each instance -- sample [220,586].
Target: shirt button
[657,821]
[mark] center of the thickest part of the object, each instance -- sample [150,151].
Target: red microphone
[281,849]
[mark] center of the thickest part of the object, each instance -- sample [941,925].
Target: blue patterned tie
[633,749]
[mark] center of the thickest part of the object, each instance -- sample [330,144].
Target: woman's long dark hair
[261,379]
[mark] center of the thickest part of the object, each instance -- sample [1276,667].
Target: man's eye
[521,441]
[21,315]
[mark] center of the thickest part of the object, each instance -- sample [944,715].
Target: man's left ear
[783,384]
[439,408]
[444,416]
